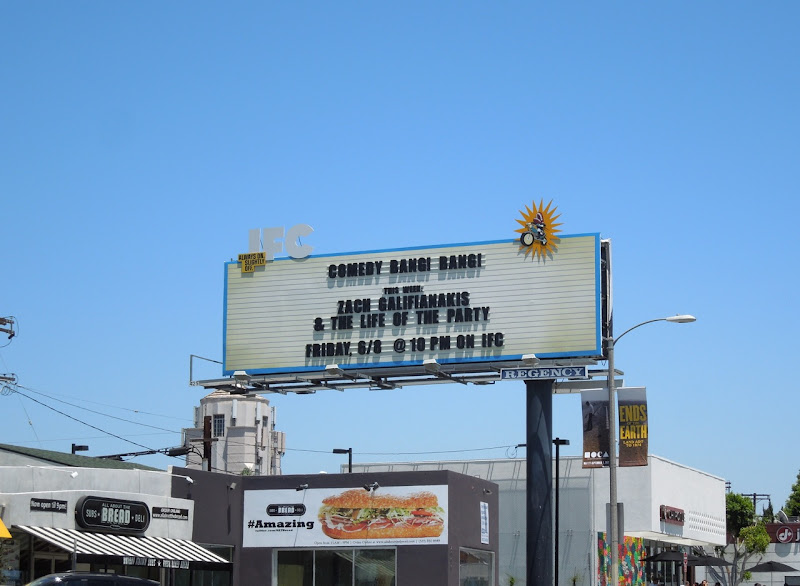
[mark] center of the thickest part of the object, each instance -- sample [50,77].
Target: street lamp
[349,452]
[558,442]
[612,440]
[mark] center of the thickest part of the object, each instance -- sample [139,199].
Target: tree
[768,515]
[745,540]
[792,506]
[739,513]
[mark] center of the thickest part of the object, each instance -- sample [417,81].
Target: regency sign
[550,372]
[112,515]
[482,302]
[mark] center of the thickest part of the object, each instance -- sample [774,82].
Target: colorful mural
[631,561]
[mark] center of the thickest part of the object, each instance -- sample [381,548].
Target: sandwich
[356,514]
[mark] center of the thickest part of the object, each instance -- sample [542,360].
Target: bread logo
[356,514]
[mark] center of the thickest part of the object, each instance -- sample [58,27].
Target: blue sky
[139,143]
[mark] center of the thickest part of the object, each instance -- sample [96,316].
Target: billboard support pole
[539,471]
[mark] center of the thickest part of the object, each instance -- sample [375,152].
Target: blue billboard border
[597,351]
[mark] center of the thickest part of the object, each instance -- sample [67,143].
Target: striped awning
[137,551]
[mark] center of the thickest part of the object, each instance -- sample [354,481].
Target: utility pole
[558,442]
[207,443]
[7,321]
[757,497]
[206,440]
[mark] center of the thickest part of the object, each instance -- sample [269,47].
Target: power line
[54,397]
[434,452]
[82,422]
[28,418]
[87,438]
[173,452]
[229,441]
[93,411]
[406,453]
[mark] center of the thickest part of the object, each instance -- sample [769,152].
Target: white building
[242,434]
[666,505]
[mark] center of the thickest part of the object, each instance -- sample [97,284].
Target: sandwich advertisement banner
[594,408]
[331,517]
[633,430]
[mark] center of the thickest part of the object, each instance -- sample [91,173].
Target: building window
[218,429]
[476,567]
[375,566]
[333,567]
[337,567]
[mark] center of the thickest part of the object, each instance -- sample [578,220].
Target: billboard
[357,517]
[479,302]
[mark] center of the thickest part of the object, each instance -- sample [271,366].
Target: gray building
[291,530]
[66,511]
[243,435]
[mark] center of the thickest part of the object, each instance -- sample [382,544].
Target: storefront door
[48,563]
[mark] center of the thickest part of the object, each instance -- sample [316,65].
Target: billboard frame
[304,380]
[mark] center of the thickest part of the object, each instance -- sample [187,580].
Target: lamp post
[612,441]
[558,442]
[349,452]
[79,448]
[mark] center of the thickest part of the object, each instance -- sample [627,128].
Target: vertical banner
[594,407]
[485,523]
[632,426]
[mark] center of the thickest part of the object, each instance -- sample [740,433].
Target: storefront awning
[136,551]
[673,539]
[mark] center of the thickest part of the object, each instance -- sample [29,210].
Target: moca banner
[632,426]
[594,407]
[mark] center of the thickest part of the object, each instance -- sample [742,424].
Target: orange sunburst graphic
[538,232]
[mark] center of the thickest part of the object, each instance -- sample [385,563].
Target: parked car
[90,579]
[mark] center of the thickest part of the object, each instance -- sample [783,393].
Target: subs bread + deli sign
[413,515]
[112,515]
